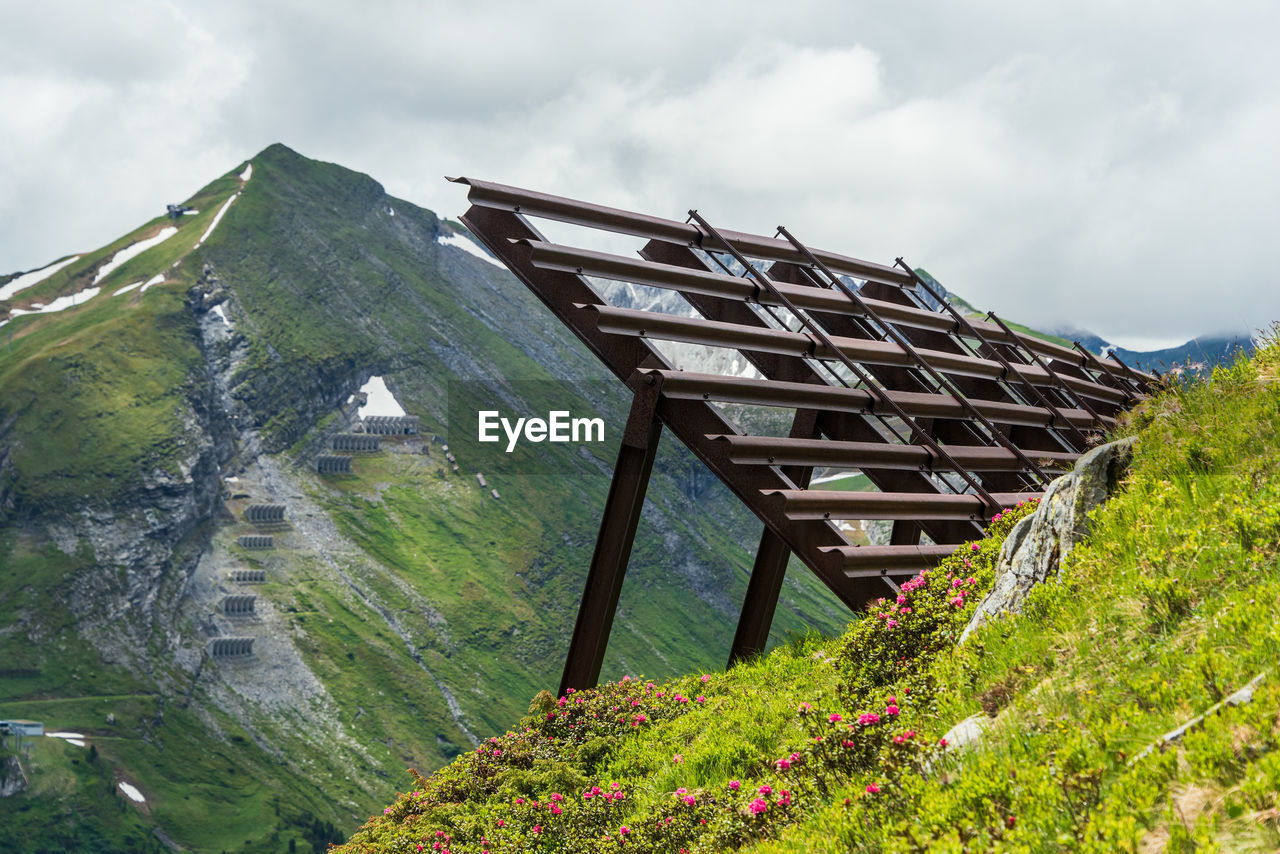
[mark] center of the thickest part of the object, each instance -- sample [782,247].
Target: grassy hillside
[404,605]
[1171,606]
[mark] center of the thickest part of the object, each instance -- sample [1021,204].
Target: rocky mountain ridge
[405,609]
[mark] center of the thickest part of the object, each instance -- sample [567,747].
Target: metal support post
[613,543]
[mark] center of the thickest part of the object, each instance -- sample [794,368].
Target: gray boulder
[1036,546]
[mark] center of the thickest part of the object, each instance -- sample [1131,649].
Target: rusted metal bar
[901,341]
[962,322]
[770,450]
[1142,382]
[531,203]
[613,544]
[603,265]
[725,389]
[917,434]
[672,327]
[1080,399]
[901,559]
[801,504]
[691,420]
[547,206]
[802,376]
[1123,383]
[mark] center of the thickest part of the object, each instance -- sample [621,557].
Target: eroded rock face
[1036,546]
[12,780]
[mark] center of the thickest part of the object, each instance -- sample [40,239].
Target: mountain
[1197,355]
[154,389]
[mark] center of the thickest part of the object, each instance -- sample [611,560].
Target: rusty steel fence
[951,418]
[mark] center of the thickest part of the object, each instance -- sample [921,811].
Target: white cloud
[1099,165]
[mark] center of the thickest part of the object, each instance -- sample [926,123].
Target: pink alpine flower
[834,717]
[868,718]
[873,789]
[734,785]
[759,805]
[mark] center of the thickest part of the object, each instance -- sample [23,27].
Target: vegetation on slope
[1172,605]
[325,286]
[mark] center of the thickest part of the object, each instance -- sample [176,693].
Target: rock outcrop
[12,780]
[1036,546]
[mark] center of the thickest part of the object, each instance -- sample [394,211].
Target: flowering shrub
[928,614]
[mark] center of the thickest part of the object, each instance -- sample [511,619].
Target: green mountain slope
[1167,615]
[405,610]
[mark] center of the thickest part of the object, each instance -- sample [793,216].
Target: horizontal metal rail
[561,209]
[692,330]
[801,504]
[917,357]
[776,393]
[864,561]
[784,451]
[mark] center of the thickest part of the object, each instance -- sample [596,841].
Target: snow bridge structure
[951,418]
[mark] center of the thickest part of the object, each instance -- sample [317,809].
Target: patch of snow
[190,213]
[457,241]
[216,219]
[232,479]
[35,277]
[69,737]
[391,210]
[247,173]
[132,251]
[217,309]
[60,303]
[131,792]
[379,399]
[154,280]
[127,288]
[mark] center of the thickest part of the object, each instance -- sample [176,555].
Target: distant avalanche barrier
[356,442]
[264,513]
[231,647]
[391,425]
[329,464]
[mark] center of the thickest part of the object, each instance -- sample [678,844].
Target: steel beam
[772,555]
[613,544]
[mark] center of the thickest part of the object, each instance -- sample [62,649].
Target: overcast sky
[1107,165]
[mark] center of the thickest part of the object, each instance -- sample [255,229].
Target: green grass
[1171,604]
